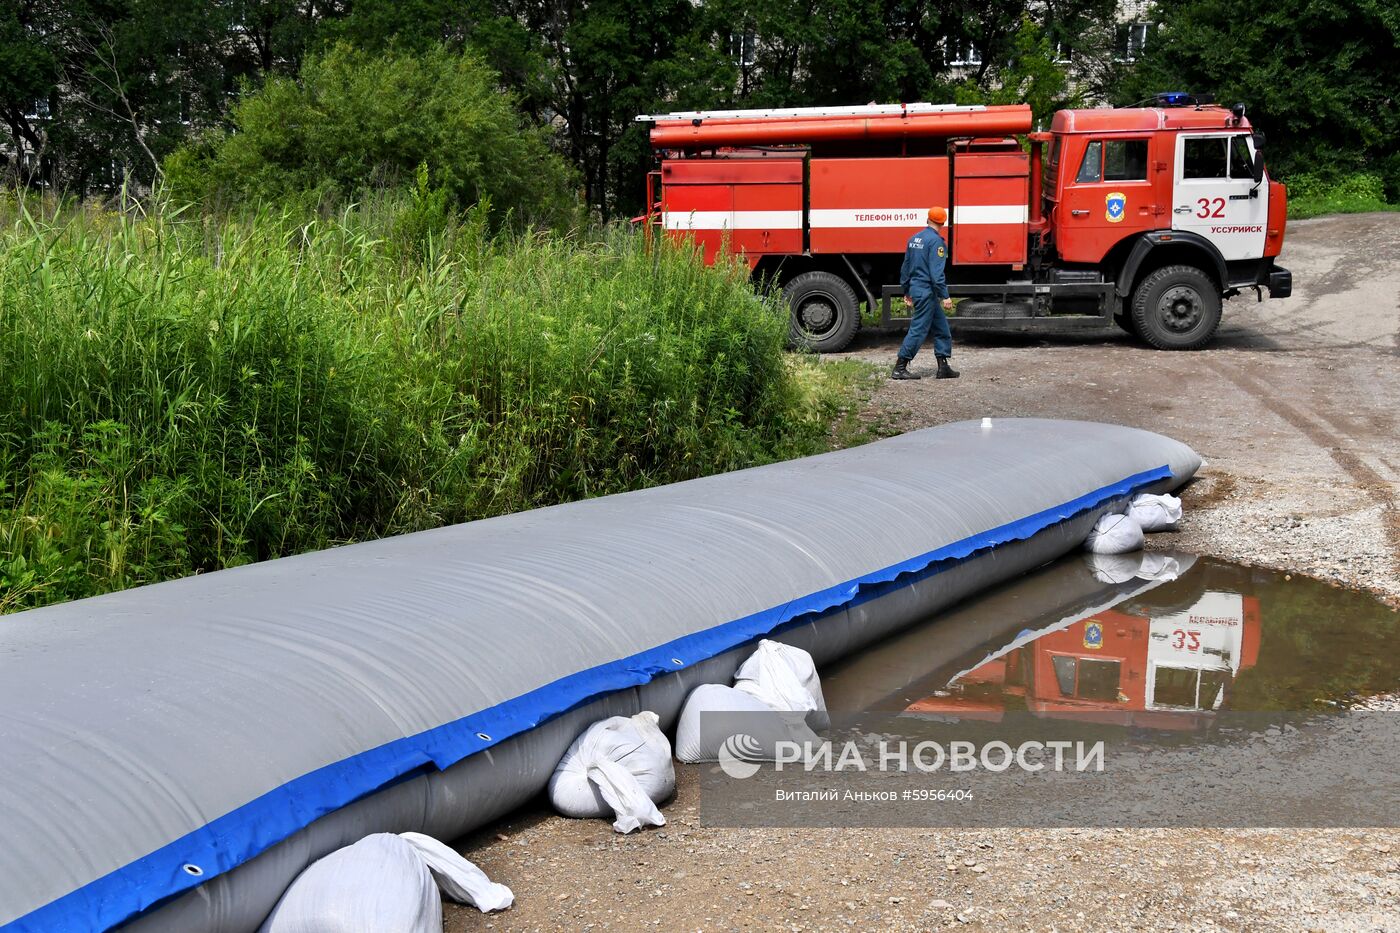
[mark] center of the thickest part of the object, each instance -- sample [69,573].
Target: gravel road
[1294,407]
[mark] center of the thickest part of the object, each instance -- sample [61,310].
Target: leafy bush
[353,121]
[1312,195]
[180,395]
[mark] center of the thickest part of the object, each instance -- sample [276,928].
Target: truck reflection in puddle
[1158,641]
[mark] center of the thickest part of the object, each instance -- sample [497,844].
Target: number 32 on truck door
[1210,207]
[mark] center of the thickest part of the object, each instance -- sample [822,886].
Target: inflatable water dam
[173,756]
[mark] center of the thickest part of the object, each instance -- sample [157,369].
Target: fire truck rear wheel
[1176,308]
[825,311]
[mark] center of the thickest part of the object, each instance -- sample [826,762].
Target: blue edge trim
[236,837]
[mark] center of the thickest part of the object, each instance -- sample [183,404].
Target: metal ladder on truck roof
[799,113]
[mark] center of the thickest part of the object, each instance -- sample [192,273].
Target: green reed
[180,394]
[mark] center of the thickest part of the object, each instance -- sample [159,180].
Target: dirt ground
[1294,406]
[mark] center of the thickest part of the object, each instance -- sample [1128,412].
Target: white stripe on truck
[733,220]
[990,214]
[836,218]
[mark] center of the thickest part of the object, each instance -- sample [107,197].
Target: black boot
[901,370]
[945,371]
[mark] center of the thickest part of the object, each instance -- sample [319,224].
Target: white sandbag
[766,730]
[383,882]
[784,678]
[1155,513]
[457,877]
[618,766]
[1114,534]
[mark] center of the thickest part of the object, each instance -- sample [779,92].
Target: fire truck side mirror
[1258,166]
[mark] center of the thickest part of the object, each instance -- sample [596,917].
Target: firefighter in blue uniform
[926,292]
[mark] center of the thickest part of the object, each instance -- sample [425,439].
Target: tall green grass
[180,394]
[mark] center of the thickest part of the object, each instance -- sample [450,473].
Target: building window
[744,48]
[963,52]
[1131,39]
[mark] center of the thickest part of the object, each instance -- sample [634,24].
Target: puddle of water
[1157,689]
[1166,639]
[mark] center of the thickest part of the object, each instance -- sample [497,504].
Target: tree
[273,36]
[1032,74]
[95,93]
[826,52]
[604,62]
[352,120]
[1319,75]
[30,67]
[852,51]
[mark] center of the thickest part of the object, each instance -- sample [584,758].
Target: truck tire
[1176,308]
[825,311]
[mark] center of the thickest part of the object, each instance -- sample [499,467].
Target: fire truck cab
[1148,216]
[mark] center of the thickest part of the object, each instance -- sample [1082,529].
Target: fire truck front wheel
[825,311]
[1176,308]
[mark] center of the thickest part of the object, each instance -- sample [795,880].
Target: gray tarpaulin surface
[157,738]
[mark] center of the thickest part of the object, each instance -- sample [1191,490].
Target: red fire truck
[1146,216]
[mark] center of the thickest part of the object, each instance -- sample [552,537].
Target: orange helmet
[937,216]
